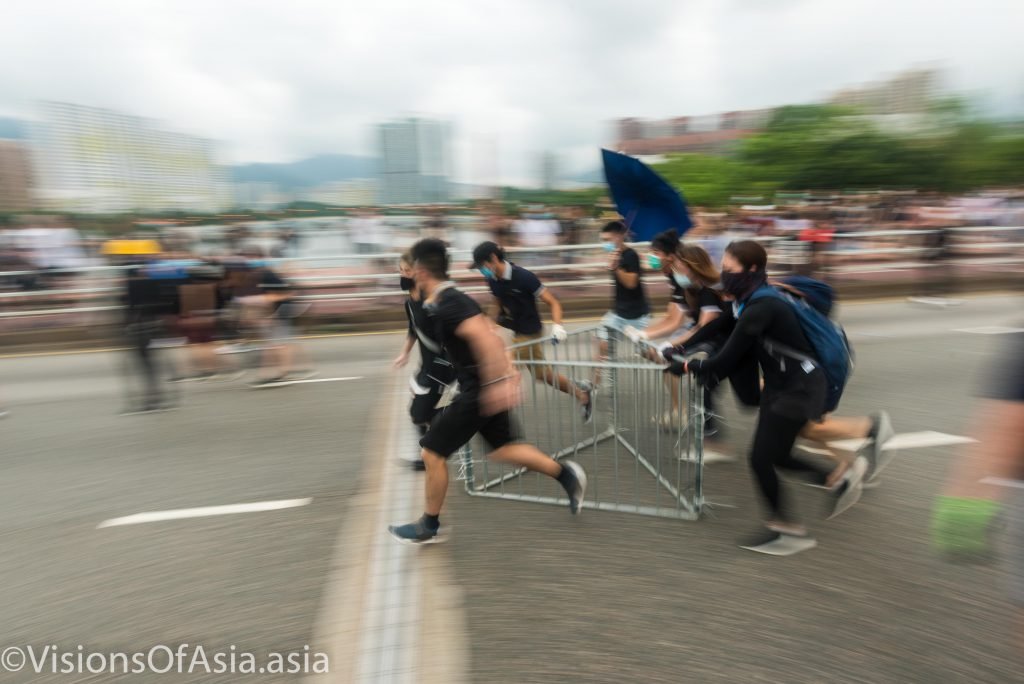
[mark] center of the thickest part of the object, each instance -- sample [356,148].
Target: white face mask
[681,279]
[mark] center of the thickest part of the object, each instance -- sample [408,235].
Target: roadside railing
[337,282]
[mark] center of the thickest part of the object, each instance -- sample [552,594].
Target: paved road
[608,597]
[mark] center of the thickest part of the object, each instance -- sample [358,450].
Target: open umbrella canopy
[644,199]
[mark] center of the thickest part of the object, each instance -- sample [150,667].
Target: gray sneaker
[874,450]
[850,487]
[587,407]
[776,543]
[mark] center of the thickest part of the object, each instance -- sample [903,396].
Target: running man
[489,388]
[631,307]
[435,373]
[516,291]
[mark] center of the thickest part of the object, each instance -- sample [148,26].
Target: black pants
[140,336]
[774,438]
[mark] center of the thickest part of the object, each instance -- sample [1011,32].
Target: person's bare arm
[555,306]
[670,322]
[629,280]
[704,318]
[403,357]
[499,382]
[998,453]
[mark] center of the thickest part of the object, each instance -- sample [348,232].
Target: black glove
[677,368]
[669,352]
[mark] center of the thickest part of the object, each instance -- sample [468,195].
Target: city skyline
[277,84]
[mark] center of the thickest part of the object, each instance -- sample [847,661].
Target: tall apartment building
[909,92]
[415,161]
[93,160]
[15,177]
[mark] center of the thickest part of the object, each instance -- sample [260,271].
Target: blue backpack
[832,351]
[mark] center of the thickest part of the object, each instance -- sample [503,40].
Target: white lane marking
[1003,482]
[303,382]
[990,330]
[389,647]
[907,440]
[204,512]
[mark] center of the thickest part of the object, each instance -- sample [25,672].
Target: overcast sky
[285,80]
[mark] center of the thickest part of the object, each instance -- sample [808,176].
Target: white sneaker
[849,489]
[776,543]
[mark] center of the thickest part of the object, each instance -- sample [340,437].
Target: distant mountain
[12,128]
[595,177]
[307,173]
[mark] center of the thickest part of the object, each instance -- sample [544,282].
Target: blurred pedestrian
[275,309]
[435,226]
[986,486]
[147,306]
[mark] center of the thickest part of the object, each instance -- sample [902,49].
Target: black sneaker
[418,465]
[267,382]
[776,543]
[415,533]
[577,489]
[301,374]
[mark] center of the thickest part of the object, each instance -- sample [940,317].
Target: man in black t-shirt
[516,291]
[435,373]
[489,389]
[631,308]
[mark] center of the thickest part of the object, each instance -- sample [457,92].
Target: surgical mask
[608,246]
[406,283]
[654,262]
[741,285]
[487,273]
[681,279]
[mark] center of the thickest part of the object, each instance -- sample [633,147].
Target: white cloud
[277,81]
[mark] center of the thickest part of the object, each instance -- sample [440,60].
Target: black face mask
[406,283]
[742,285]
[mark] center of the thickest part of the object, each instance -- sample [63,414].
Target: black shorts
[424,406]
[456,424]
[803,397]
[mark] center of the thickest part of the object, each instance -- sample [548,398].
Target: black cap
[484,251]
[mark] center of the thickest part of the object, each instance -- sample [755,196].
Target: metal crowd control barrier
[641,456]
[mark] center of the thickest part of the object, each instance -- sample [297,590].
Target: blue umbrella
[645,199]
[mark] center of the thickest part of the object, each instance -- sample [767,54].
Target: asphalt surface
[606,597]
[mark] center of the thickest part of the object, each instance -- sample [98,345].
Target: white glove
[634,335]
[558,332]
